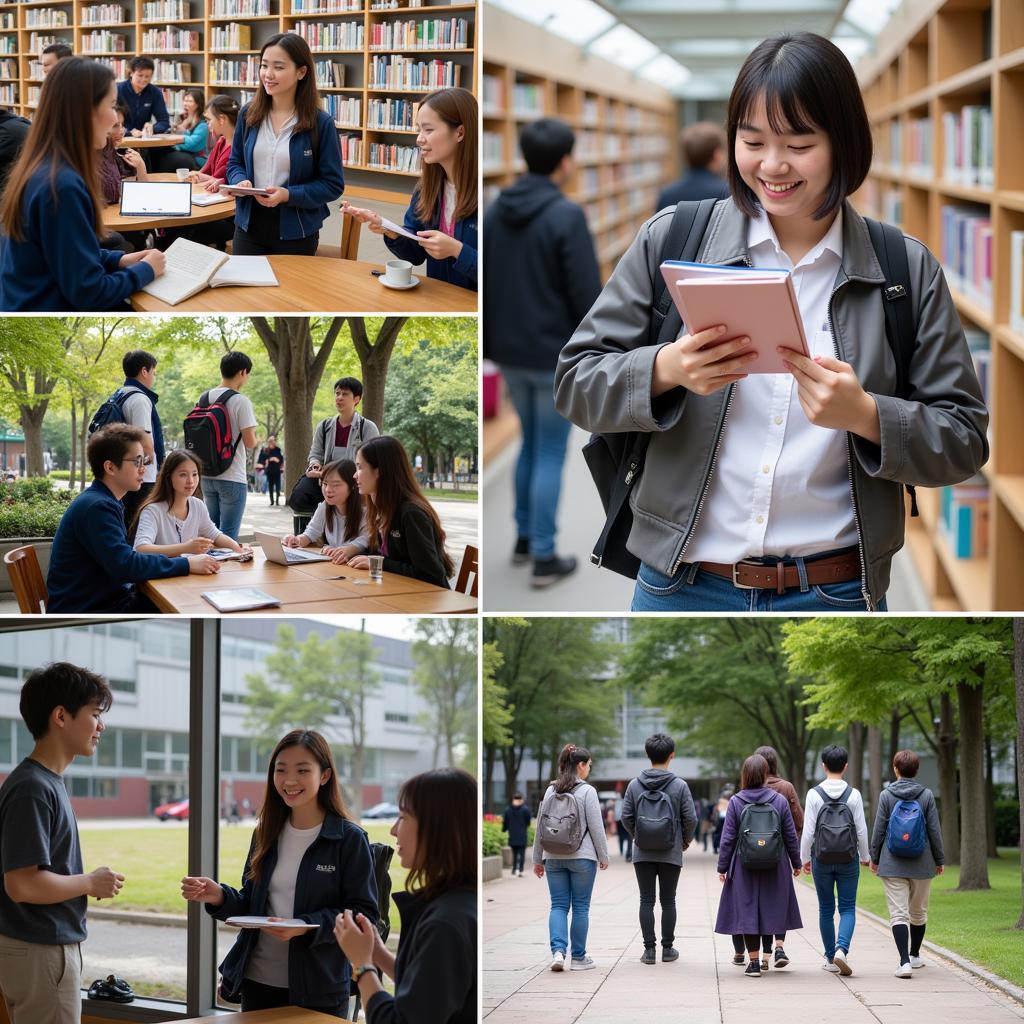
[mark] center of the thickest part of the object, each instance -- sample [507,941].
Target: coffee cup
[182,173]
[398,272]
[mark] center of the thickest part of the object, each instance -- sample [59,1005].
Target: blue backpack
[905,835]
[112,410]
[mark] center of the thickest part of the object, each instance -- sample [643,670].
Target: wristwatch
[358,972]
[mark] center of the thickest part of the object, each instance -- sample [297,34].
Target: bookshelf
[945,95]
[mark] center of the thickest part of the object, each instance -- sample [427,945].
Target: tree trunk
[73,461]
[947,743]
[973,862]
[855,738]
[83,439]
[31,421]
[894,733]
[373,361]
[1018,678]
[990,800]
[875,765]
[489,759]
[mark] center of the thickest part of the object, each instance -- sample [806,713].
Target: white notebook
[191,267]
[240,599]
[209,198]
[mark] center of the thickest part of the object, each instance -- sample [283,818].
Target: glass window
[124,630]
[6,741]
[245,756]
[122,685]
[11,671]
[25,741]
[106,752]
[131,748]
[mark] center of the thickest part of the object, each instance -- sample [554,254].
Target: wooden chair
[349,248]
[27,579]
[470,567]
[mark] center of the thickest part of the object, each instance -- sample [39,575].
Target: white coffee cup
[182,173]
[398,272]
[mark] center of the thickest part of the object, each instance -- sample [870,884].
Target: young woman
[117,164]
[779,491]
[435,963]
[308,860]
[286,144]
[401,524]
[174,520]
[221,117]
[338,522]
[443,208]
[50,214]
[571,876]
[192,150]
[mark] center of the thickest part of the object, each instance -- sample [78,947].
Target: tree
[1018,679]
[496,714]
[374,357]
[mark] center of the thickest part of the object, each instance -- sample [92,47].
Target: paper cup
[182,173]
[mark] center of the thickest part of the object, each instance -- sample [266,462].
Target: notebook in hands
[277,553]
[156,199]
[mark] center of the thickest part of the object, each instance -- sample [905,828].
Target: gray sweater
[594,846]
[923,866]
[679,793]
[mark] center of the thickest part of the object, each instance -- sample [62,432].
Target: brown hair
[444,803]
[755,771]
[700,142]
[163,489]
[568,759]
[223,106]
[61,135]
[353,511]
[907,763]
[455,107]
[307,99]
[200,100]
[274,813]
[771,756]
[110,444]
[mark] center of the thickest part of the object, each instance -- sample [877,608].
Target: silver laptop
[276,552]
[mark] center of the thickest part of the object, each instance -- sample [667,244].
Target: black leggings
[738,943]
[273,485]
[256,996]
[667,876]
[263,236]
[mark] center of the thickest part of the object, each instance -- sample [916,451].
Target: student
[93,568]
[221,117]
[657,792]
[704,147]
[193,149]
[339,521]
[308,860]
[907,869]
[49,56]
[50,213]
[117,164]
[44,896]
[402,525]
[537,243]
[143,100]
[840,809]
[625,838]
[139,410]
[757,901]
[807,468]
[435,968]
[443,207]
[339,437]
[516,822]
[13,132]
[271,461]
[287,144]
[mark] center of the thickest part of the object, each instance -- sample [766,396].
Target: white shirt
[781,485]
[240,415]
[138,412]
[158,526]
[317,532]
[271,160]
[813,803]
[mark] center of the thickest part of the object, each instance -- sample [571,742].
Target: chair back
[350,228]
[470,567]
[27,579]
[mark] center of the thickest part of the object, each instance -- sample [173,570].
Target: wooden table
[285,1015]
[312,284]
[151,141]
[313,588]
[113,221]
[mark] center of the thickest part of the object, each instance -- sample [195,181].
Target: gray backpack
[560,825]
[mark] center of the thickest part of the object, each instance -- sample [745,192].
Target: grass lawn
[977,925]
[436,492]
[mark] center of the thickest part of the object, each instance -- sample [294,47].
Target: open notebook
[191,267]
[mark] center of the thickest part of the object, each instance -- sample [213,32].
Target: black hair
[808,85]
[659,746]
[61,49]
[517,795]
[141,64]
[545,143]
[111,444]
[352,384]
[771,756]
[60,684]
[233,363]
[122,110]
[835,758]
[136,361]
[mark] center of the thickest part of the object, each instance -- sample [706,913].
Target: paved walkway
[703,987]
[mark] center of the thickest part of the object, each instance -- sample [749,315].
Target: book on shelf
[920,154]
[387,157]
[103,14]
[166,10]
[964,517]
[234,72]
[171,71]
[895,142]
[420,34]
[344,110]
[103,41]
[233,36]
[528,99]
[398,73]
[170,39]
[8,69]
[1017,281]
[492,93]
[979,344]
[351,149]
[329,74]
[9,95]
[326,6]
[493,144]
[38,43]
[392,113]
[46,17]
[173,100]
[968,146]
[334,35]
[191,267]
[240,8]
[966,252]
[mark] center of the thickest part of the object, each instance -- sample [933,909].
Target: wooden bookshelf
[625,126]
[936,58]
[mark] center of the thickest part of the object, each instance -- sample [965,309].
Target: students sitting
[338,519]
[190,152]
[221,117]
[93,568]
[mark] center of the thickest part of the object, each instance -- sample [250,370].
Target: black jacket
[413,547]
[515,821]
[335,874]
[435,969]
[13,130]
[540,272]
[692,187]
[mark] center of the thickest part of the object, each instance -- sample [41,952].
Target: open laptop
[276,552]
[156,199]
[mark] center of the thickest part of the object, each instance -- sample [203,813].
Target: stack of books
[967,146]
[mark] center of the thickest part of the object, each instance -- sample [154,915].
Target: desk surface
[308,589]
[113,221]
[151,141]
[284,1015]
[309,284]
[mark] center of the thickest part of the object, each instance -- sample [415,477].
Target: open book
[191,267]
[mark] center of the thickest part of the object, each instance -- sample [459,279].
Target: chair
[27,579]
[470,566]
[349,248]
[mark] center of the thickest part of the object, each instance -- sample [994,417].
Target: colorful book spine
[331,36]
[344,109]
[386,157]
[231,38]
[920,154]
[528,99]
[351,149]
[239,8]
[980,346]
[330,74]
[326,6]
[119,65]
[493,150]
[1017,281]
[8,94]
[32,99]
[102,41]
[8,69]
[964,518]
[8,19]
[966,252]
[404,74]
[896,146]
[420,34]
[174,100]
[46,17]
[170,40]
[492,94]
[8,44]
[235,72]
[391,114]
[166,10]
[967,146]
[103,14]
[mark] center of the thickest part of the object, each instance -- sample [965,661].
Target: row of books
[344,109]
[966,252]
[493,148]
[330,74]
[338,35]
[492,92]
[8,69]
[528,99]
[37,43]
[8,44]
[920,157]
[170,39]
[46,17]
[119,65]
[387,157]
[234,72]
[230,8]
[8,94]
[8,20]
[171,71]
[173,100]
[964,517]
[892,206]
[103,41]
[1017,281]
[420,34]
[326,6]
[232,36]
[351,149]
[104,14]
[158,10]
[391,113]
[405,73]
[967,146]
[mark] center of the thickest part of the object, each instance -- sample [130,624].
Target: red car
[176,810]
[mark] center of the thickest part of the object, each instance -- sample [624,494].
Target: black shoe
[781,960]
[521,552]
[112,989]
[650,955]
[550,570]
[753,969]
[668,954]
[739,959]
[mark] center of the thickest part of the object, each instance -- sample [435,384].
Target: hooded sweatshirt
[835,788]
[656,780]
[891,866]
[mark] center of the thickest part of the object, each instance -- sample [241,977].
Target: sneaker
[650,955]
[904,971]
[840,961]
[753,970]
[550,570]
[916,962]
[669,954]
[829,966]
[582,964]
[739,959]
[521,552]
[781,960]
[764,962]
[558,961]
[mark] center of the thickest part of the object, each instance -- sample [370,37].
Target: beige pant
[41,984]
[908,899]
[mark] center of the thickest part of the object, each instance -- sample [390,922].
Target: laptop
[156,199]
[276,552]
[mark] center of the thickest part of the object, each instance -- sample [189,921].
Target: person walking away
[516,821]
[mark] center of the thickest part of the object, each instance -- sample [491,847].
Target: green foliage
[60,474]
[493,839]
[28,489]
[1007,813]
[497,715]
[31,508]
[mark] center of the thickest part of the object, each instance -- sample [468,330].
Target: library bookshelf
[375,58]
[945,95]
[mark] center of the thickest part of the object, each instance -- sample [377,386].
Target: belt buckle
[736,583]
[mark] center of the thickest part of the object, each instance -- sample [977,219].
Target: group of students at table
[282,142]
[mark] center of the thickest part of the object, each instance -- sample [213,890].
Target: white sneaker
[558,962]
[839,959]
[904,971]
[830,967]
[916,961]
[582,964]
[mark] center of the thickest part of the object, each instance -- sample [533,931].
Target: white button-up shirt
[271,161]
[781,485]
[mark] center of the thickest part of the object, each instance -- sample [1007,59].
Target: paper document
[240,599]
[251,921]
[188,270]
[390,225]
[210,198]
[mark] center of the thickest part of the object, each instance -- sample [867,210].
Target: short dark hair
[141,64]
[517,795]
[907,763]
[61,49]
[659,746]
[60,684]
[136,361]
[353,384]
[545,143]
[808,85]
[700,142]
[110,444]
[755,771]
[233,363]
[771,756]
[835,758]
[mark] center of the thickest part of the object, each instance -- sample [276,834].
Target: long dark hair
[395,486]
[163,489]
[455,107]
[61,134]
[274,813]
[307,99]
[568,760]
[353,511]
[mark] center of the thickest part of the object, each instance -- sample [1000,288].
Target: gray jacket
[323,449]
[923,866]
[594,845]
[938,437]
[679,793]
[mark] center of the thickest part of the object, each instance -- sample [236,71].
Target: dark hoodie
[540,272]
[679,793]
[890,866]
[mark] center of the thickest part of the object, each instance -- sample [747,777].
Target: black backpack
[760,837]
[656,820]
[112,410]
[835,832]
[207,432]
[382,854]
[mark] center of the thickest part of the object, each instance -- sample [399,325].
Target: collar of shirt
[760,233]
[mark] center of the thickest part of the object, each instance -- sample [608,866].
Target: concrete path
[703,987]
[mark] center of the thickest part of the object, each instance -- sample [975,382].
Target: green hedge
[60,474]
[27,489]
[31,508]
[494,839]
[1007,823]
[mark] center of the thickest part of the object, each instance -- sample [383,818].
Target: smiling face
[81,732]
[185,479]
[104,117]
[188,104]
[141,77]
[366,477]
[298,777]
[406,833]
[116,133]
[279,74]
[436,139]
[336,491]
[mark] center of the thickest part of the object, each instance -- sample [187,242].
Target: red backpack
[207,431]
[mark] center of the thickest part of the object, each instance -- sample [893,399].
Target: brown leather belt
[783,575]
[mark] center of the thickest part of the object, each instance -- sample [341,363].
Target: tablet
[243,190]
[156,198]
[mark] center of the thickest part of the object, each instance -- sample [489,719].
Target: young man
[516,821]
[139,410]
[49,56]
[703,145]
[537,244]
[93,568]
[338,437]
[835,877]
[45,890]
[142,99]
[13,130]
[658,852]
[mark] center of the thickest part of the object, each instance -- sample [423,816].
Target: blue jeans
[570,883]
[225,500]
[539,469]
[830,881]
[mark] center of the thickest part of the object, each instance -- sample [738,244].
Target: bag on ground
[835,834]
[905,835]
[760,837]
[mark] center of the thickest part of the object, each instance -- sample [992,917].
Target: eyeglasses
[139,461]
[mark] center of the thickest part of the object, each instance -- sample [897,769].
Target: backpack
[382,854]
[760,837]
[656,820]
[559,824]
[207,432]
[835,834]
[905,835]
[112,410]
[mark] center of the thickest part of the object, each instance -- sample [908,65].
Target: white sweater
[813,804]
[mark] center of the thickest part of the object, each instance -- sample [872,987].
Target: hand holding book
[703,362]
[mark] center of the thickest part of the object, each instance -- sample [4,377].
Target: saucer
[399,287]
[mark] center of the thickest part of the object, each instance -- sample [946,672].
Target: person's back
[703,148]
[697,184]
[516,822]
[13,130]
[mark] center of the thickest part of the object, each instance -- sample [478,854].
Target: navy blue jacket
[311,186]
[515,821]
[335,874]
[460,271]
[143,105]
[692,187]
[58,266]
[92,565]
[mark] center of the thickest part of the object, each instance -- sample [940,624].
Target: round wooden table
[151,141]
[113,221]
